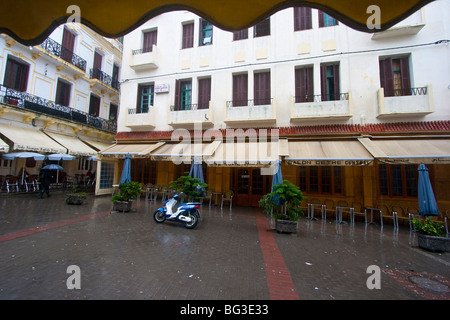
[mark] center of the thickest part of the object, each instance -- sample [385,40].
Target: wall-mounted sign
[162,88]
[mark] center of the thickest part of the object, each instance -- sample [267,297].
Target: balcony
[254,112]
[315,107]
[414,101]
[103,78]
[29,102]
[51,46]
[140,121]
[190,116]
[144,59]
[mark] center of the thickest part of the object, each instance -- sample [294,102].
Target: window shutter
[404,71]
[321,19]
[204,93]
[323,82]
[240,90]
[387,77]
[177,94]
[150,39]
[188,36]
[68,44]
[300,85]
[337,92]
[262,88]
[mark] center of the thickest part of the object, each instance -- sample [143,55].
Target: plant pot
[74,198]
[435,244]
[122,206]
[286,226]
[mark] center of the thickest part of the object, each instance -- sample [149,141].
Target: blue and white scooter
[187,213]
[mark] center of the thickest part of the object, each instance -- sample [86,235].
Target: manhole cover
[429,284]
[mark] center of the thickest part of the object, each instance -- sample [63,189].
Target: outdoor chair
[29,184]
[12,183]
[227,196]
[208,197]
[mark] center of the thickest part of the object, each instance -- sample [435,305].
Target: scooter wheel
[159,216]
[194,221]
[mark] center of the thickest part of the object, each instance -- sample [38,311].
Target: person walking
[45,177]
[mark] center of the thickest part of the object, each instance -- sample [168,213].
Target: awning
[328,153]
[99,146]
[135,150]
[74,146]
[30,140]
[408,150]
[248,154]
[185,152]
[3,146]
[117,18]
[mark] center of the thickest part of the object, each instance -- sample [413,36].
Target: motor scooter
[187,213]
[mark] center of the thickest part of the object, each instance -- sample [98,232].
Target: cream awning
[3,146]
[135,150]
[185,152]
[328,153]
[248,153]
[30,140]
[409,150]
[96,144]
[74,146]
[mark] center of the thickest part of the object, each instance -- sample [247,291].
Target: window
[330,82]
[63,89]
[68,45]
[145,98]
[304,84]
[106,175]
[325,20]
[113,111]
[115,77]
[302,18]
[240,90]
[398,180]
[395,77]
[204,93]
[323,179]
[240,34]
[143,171]
[149,39]
[206,32]
[16,75]
[183,94]
[188,36]
[262,93]
[262,29]
[94,105]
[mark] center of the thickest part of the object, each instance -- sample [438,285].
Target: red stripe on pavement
[279,279]
[27,232]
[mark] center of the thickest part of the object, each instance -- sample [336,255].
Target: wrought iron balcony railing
[105,78]
[250,103]
[420,91]
[321,98]
[141,51]
[24,100]
[58,50]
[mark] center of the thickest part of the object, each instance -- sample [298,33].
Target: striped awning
[141,150]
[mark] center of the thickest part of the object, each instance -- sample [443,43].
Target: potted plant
[191,187]
[284,204]
[76,196]
[122,200]
[431,235]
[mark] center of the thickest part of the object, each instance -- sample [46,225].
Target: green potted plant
[283,203]
[431,235]
[76,196]
[122,200]
[191,187]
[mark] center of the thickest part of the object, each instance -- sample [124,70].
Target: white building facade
[304,74]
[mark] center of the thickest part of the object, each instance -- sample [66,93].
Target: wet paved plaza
[231,255]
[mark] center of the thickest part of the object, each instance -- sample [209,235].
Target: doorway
[249,185]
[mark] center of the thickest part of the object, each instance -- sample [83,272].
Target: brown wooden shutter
[150,39]
[177,94]
[387,77]
[262,88]
[188,36]
[337,92]
[321,19]
[68,44]
[302,18]
[404,71]
[323,82]
[204,93]
[240,90]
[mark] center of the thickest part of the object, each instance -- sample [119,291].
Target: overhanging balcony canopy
[116,18]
